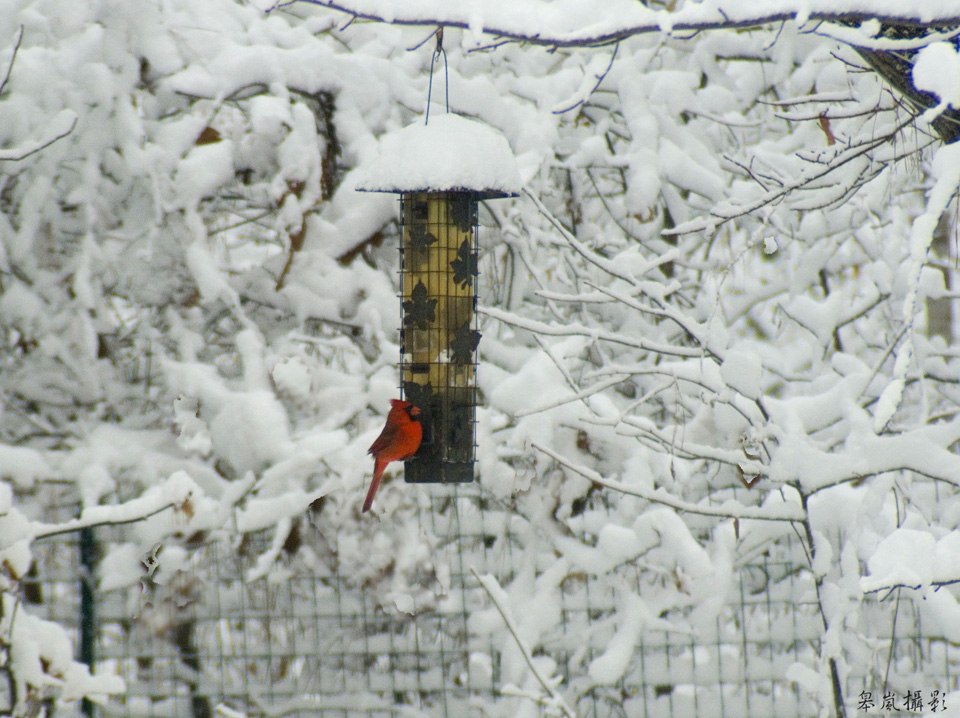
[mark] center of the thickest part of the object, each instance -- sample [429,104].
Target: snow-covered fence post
[441,171]
[88,622]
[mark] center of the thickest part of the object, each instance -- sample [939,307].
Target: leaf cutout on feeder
[465,265]
[420,238]
[464,344]
[420,310]
[461,208]
[460,429]
[420,395]
[419,211]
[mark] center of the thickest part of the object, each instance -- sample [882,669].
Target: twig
[31,148]
[600,78]
[664,312]
[78,524]
[13,57]
[937,585]
[820,97]
[658,496]
[601,263]
[490,585]
[575,330]
[235,225]
[423,42]
[723,215]
[577,396]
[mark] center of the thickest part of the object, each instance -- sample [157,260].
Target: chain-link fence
[226,635]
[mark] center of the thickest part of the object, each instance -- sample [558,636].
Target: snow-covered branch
[575,23]
[130,513]
[58,128]
[699,341]
[842,159]
[497,597]
[729,510]
[542,328]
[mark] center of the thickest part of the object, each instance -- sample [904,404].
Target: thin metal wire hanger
[446,73]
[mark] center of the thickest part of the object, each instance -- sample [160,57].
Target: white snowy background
[713,298]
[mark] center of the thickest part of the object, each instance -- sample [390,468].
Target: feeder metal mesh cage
[439,334]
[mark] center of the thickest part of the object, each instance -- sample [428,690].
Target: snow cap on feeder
[441,170]
[450,154]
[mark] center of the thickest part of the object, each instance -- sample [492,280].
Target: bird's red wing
[386,438]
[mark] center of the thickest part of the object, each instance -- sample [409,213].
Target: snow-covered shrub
[708,304]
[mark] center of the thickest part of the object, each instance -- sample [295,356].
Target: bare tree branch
[13,58]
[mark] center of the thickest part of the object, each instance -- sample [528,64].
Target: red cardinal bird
[399,439]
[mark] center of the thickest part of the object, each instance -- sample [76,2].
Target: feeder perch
[441,171]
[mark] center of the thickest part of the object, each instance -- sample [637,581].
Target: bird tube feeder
[441,171]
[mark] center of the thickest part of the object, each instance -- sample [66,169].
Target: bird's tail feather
[378,469]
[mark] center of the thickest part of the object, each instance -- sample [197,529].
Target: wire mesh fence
[222,636]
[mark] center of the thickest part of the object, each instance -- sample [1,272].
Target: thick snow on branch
[946,171]
[581,22]
[702,317]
